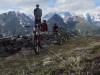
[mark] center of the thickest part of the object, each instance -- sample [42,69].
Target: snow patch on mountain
[13,23]
[93,18]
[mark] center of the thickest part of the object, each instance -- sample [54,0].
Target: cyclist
[41,29]
[44,26]
[37,14]
[55,28]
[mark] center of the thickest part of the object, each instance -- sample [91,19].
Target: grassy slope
[85,27]
[53,59]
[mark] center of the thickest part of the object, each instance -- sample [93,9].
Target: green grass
[86,28]
[61,58]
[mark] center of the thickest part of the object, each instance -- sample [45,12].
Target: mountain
[81,25]
[31,16]
[58,20]
[94,19]
[73,24]
[61,14]
[13,23]
[48,16]
[64,14]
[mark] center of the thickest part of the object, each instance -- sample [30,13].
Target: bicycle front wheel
[37,49]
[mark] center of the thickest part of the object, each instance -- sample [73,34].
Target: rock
[47,61]
[19,39]
[12,45]
[83,52]
[2,49]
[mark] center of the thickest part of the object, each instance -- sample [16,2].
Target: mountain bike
[36,39]
[61,37]
[64,35]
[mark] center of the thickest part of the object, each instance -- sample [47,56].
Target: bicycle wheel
[57,38]
[64,39]
[60,39]
[46,40]
[37,48]
[37,45]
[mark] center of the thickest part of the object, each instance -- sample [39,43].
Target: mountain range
[58,20]
[15,23]
[94,19]
[83,24]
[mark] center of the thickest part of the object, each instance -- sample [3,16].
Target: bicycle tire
[60,39]
[37,48]
[36,45]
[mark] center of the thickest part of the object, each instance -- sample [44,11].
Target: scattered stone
[11,45]
[47,61]
[82,52]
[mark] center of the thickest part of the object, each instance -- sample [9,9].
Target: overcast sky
[27,6]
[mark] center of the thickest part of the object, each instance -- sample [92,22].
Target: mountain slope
[13,23]
[78,56]
[58,20]
[94,18]
[81,25]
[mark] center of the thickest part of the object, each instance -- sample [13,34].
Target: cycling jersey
[44,27]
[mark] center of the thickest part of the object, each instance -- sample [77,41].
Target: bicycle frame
[36,39]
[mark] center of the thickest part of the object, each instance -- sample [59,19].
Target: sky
[27,6]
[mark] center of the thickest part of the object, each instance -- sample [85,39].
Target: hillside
[86,29]
[58,20]
[92,18]
[78,56]
[12,23]
[81,25]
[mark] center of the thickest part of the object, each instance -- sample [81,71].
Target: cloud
[21,2]
[27,6]
[3,10]
[75,5]
[95,10]
[80,6]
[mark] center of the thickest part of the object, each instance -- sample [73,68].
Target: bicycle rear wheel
[60,39]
